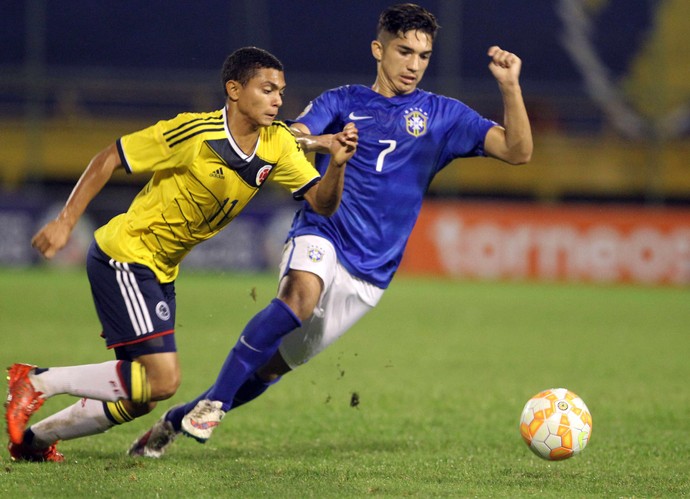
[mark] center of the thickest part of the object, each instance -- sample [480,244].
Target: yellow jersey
[201,181]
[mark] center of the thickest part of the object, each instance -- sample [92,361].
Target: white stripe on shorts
[134,300]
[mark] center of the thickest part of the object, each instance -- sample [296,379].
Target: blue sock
[252,388]
[257,344]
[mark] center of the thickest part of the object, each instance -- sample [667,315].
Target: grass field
[441,368]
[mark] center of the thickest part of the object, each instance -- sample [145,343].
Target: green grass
[442,370]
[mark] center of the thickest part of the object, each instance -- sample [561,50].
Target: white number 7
[382,154]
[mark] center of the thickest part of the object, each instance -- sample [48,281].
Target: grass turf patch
[440,370]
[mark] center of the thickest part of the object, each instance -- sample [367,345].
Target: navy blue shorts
[136,311]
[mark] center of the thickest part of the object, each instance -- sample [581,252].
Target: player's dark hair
[401,18]
[243,64]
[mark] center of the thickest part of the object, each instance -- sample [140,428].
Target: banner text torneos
[569,243]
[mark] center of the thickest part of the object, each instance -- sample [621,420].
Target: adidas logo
[218,174]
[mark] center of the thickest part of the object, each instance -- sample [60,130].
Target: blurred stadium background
[607,85]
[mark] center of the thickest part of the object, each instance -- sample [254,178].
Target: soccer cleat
[200,422]
[20,452]
[154,442]
[22,400]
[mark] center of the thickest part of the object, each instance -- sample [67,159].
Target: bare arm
[511,143]
[311,143]
[324,197]
[55,234]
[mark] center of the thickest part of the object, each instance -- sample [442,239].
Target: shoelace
[206,409]
[36,402]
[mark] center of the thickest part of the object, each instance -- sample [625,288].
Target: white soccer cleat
[200,422]
[154,442]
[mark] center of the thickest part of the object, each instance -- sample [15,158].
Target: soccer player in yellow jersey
[205,168]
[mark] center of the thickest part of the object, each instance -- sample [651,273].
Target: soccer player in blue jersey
[334,270]
[205,168]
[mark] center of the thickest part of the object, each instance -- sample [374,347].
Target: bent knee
[300,291]
[164,388]
[162,373]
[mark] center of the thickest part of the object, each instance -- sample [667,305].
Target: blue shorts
[136,311]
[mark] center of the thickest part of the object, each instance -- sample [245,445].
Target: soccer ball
[556,424]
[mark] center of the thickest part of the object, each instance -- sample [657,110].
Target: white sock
[94,381]
[86,417]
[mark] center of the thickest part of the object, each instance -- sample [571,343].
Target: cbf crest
[416,121]
[315,253]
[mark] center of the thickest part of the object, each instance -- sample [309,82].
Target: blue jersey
[403,142]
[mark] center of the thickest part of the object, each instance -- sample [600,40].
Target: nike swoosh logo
[203,425]
[354,117]
[244,342]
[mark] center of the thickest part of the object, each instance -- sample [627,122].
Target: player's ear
[233,87]
[377,50]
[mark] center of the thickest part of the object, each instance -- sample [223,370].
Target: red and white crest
[263,173]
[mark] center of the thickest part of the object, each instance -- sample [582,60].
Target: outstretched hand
[344,144]
[504,65]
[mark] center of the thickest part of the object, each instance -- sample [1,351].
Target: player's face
[260,99]
[402,61]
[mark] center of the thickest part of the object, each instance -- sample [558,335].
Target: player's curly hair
[401,18]
[243,64]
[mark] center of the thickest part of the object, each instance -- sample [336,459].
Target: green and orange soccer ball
[556,424]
